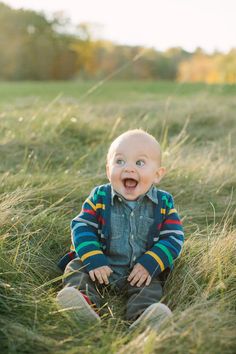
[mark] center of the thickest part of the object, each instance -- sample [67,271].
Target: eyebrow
[142,155]
[138,156]
[118,154]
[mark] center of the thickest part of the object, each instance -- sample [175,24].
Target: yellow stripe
[163,211]
[158,259]
[90,203]
[172,211]
[89,254]
[100,206]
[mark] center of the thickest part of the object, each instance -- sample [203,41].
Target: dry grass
[47,148]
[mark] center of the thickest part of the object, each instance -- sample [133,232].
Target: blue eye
[140,163]
[120,162]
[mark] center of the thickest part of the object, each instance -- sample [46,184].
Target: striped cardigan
[91,231]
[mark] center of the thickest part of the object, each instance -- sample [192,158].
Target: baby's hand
[101,274]
[139,276]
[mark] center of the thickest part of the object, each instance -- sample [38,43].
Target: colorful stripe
[172,211]
[96,195]
[178,232]
[86,233]
[101,220]
[176,240]
[169,245]
[90,203]
[87,221]
[79,224]
[166,251]
[88,211]
[163,211]
[157,259]
[171,221]
[102,193]
[90,254]
[100,206]
[169,204]
[84,244]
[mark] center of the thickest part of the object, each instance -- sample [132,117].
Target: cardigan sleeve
[170,241]
[84,234]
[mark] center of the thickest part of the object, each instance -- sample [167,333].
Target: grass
[50,136]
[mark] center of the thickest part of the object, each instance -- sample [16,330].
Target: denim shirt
[129,229]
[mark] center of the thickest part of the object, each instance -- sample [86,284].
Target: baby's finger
[141,281]
[91,274]
[132,274]
[148,280]
[104,276]
[135,279]
[108,270]
[98,276]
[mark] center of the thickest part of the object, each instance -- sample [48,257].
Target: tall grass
[52,152]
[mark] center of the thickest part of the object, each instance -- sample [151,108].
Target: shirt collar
[151,194]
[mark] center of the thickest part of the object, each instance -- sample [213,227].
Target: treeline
[34,47]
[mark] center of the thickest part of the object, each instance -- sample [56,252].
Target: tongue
[130,183]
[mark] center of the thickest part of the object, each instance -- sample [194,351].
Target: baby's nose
[129,167]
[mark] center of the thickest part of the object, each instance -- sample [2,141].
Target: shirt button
[132,236]
[132,213]
[119,199]
[134,258]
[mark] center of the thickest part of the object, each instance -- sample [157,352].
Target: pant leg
[140,298]
[80,279]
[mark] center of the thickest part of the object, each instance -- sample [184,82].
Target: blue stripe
[80,239]
[160,253]
[87,233]
[169,245]
[79,224]
[178,241]
[177,232]
[173,242]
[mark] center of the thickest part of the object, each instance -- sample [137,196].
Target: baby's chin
[131,194]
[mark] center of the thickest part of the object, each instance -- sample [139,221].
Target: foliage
[216,68]
[34,47]
[31,48]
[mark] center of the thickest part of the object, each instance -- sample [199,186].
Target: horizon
[216,32]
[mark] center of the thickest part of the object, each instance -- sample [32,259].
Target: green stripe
[83,244]
[101,193]
[169,204]
[166,251]
[97,194]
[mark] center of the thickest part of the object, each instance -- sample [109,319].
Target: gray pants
[138,299]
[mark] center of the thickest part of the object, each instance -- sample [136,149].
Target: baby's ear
[160,174]
[108,171]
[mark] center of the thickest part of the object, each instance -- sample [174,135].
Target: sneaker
[153,316]
[73,300]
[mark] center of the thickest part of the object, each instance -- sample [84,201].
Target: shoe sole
[153,316]
[72,300]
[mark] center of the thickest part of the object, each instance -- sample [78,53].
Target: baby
[127,235]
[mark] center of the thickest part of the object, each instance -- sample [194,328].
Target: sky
[209,24]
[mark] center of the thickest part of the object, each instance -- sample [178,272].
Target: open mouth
[130,183]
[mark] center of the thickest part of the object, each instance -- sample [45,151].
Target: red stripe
[177,222]
[71,255]
[92,212]
[101,220]
[159,226]
[86,298]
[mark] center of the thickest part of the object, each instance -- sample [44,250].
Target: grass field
[53,142]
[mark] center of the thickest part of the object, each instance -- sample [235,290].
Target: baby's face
[134,165]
